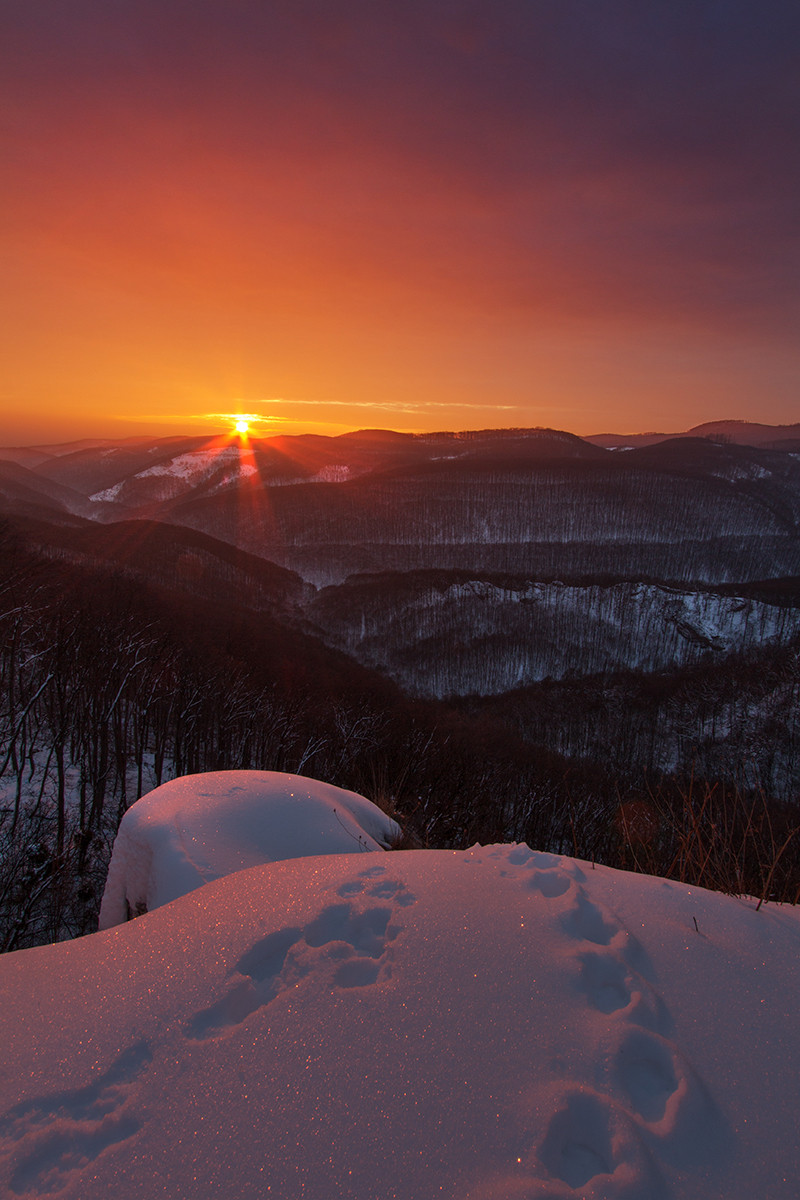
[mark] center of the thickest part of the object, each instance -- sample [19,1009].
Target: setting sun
[242,426]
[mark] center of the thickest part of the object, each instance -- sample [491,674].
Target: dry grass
[717,836]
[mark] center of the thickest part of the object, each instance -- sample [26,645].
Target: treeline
[446,633]
[111,686]
[579,502]
[737,719]
[575,517]
[711,561]
[469,503]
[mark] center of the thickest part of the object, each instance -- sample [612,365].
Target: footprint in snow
[372,872]
[600,1143]
[592,1146]
[66,1131]
[355,940]
[386,889]
[551,884]
[547,873]
[606,982]
[645,1067]
[588,923]
[667,1097]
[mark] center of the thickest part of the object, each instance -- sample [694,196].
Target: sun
[241,423]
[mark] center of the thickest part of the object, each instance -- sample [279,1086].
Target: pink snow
[492,1024]
[201,827]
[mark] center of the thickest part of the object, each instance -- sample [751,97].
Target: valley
[519,614]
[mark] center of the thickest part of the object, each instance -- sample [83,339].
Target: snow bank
[485,1025]
[201,827]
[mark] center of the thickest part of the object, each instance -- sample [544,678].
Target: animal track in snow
[592,1146]
[522,856]
[550,883]
[650,1092]
[646,1067]
[613,986]
[365,931]
[354,939]
[547,873]
[586,922]
[372,872]
[387,889]
[70,1129]
[577,1145]
[606,981]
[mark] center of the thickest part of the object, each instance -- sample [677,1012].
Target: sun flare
[242,426]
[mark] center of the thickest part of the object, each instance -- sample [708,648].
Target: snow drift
[201,827]
[494,1024]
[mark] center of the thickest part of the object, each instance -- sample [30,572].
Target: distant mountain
[386,436]
[92,468]
[747,433]
[33,456]
[682,511]
[740,433]
[24,491]
[25,456]
[58,449]
[146,478]
[537,502]
[178,559]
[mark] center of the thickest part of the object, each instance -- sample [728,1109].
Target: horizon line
[89,440]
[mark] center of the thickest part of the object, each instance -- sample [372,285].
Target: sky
[335,214]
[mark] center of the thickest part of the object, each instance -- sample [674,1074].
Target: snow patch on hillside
[747,470]
[332,474]
[189,468]
[110,493]
[193,464]
[240,472]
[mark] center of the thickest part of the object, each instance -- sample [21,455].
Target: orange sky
[420,217]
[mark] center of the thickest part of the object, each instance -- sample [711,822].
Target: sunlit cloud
[410,407]
[238,417]
[206,418]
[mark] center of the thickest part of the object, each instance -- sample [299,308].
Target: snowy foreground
[198,828]
[494,1023]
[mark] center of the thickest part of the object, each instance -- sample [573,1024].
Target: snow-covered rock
[494,1024]
[201,827]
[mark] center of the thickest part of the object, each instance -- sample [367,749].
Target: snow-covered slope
[511,633]
[201,827]
[493,1024]
[176,475]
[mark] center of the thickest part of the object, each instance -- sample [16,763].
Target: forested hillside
[512,634]
[720,514]
[113,682]
[449,633]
